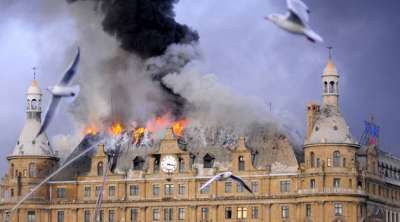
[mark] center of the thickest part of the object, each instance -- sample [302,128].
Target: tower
[33,158]
[330,82]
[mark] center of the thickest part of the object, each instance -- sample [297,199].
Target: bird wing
[71,71]
[300,9]
[55,100]
[210,181]
[239,180]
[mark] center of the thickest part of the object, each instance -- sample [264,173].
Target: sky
[248,54]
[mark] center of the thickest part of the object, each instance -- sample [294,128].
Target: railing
[328,190]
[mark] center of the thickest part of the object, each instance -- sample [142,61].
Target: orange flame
[158,123]
[116,129]
[138,133]
[91,130]
[178,126]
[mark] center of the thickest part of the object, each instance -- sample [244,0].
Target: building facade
[332,178]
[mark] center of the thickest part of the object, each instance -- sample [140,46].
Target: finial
[330,51]
[34,72]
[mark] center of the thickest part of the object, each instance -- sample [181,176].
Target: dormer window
[100,169]
[208,161]
[138,163]
[241,165]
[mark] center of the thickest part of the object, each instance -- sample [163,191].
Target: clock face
[168,164]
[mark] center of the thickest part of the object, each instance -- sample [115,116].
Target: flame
[178,126]
[116,129]
[138,133]
[158,123]
[91,130]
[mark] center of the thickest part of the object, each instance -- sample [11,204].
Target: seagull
[59,91]
[223,176]
[295,20]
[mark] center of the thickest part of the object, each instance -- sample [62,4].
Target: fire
[138,133]
[178,126]
[158,123]
[91,130]
[116,129]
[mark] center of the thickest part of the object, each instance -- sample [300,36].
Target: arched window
[312,159]
[181,165]
[34,104]
[32,170]
[156,164]
[241,163]
[336,159]
[138,163]
[325,87]
[100,169]
[331,87]
[208,161]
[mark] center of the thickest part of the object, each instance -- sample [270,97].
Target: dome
[34,88]
[330,69]
[330,127]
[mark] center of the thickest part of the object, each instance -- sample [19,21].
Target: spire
[330,83]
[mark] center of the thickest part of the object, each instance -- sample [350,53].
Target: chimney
[312,112]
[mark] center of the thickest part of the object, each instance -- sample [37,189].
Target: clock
[168,164]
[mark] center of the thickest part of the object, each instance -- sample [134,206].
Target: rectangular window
[98,190]
[111,191]
[338,209]
[254,213]
[111,216]
[285,186]
[168,214]
[60,192]
[336,183]
[242,213]
[181,213]
[285,212]
[228,187]
[100,217]
[241,166]
[312,184]
[134,215]
[181,165]
[204,213]
[240,188]
[134,190]
[60,216]
[205,190]
[254,186]
[88,191]
[156,190]
[182,189]
[228,213]
[31,216]
[168,189]
[86,217]
[318,162]
[308,210]
[156,214]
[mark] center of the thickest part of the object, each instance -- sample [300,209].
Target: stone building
[332,178]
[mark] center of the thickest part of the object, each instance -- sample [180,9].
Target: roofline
[332,144]
[32,157]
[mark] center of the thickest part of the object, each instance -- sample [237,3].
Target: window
[156,214]
[242,213]
[98,190]
[329,162]
[168,214]
[228,187]
[228,213]
[338,209]
[181,213]
[100,169]
[31,216]
[312,184]
[134,215]
[86,217]
[285,186]
[111,216]
[208,161]
[312,160]
[205,190]
[254,186]
[134,190]
[331,86]
[240,188]
[60,192]
[285,212]
[254,213]
[60,216]
[336,183]
[111,191]
[318,162]
[100,217]
[12,168]
[88,191]
[204,213]
[182,189]
[325,87]
[138,163]
[168,189]
[241,163]
[336,159]
[32,170]
[156,190]
[181,165]
[308,210]
[157,164]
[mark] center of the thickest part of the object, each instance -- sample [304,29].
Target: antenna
[34,72]
[330,48]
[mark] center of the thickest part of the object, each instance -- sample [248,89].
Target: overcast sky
[247,53]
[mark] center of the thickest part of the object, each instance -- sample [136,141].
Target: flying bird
[61,90]
[224,176]
[295,20]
